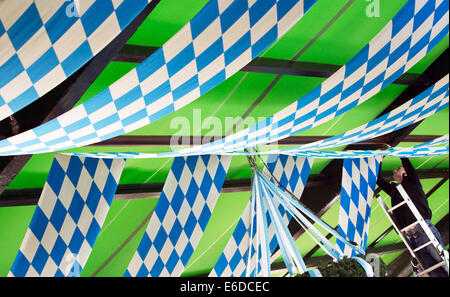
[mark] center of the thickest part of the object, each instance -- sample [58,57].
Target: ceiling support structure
[167,140]
[138,53]
[21,197]
[62,98]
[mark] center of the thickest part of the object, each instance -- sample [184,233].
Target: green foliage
[347,267]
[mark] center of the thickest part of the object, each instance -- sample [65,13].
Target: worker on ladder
[403,217]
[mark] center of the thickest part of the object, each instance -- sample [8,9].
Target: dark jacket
[411,183]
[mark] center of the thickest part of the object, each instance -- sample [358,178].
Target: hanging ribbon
[180,217]
[221,39]
[292,173]
[250,239]
[253,255]
[293,260]
[291,256]
[359,177]
[42,43]
[68,218]
[301,219]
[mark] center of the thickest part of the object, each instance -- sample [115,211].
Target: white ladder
[420,220]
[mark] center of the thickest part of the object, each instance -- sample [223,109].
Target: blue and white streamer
[412,33]
[234,259]
[359,178]
[427,103]
[421,150]
[180,217]
[291,256]
[418,151]
[221,39]
[248,253]
[299,212]
[400,153]
[437,141]
[44,42]
[292,173]
[68,218]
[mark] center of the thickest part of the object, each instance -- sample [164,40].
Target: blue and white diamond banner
[44,42]
[359,178]
[181,215]
[427,103]
[234,258]
[412,33]
[70,213]
[221,39]
[291,172]
[422,150]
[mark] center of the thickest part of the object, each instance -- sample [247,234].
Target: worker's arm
[410,170]
[385,186]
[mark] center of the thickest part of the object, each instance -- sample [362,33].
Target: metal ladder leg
[387,211]
[440,249]
[420,219]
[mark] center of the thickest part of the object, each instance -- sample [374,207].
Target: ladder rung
[422,246]
[409,226]
[397,206]
[434,267]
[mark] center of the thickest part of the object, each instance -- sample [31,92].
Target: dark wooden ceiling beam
[138,53]
[62,98]
[21,197]
[167,140]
